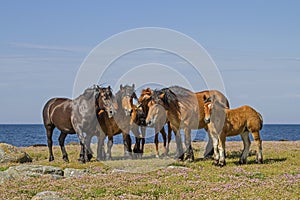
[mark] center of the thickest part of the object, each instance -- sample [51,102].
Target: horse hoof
[215,163]
[81,161]
[259,161]
[156,156]
[89,156]
[242,162]
[51,159]
[138,156]
[222,164]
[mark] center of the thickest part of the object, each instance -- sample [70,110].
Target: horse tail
[46,112]
[261,120]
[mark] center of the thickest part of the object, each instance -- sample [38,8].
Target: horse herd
[99,112]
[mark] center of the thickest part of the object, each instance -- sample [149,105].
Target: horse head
[207,108]
[125,97]
[156,116]
[105,100]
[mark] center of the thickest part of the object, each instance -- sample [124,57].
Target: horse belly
[62,121]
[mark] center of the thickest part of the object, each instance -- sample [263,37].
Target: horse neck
[172,113]
[219,111]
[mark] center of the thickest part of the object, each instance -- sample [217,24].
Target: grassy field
[165,178]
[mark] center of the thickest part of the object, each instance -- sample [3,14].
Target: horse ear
[121,87]
[134,95]
[206,99]
[161,96]
[109,87]
[133,85]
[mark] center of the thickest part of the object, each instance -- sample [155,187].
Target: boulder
[9,153]
[4,177]
[34,171]
[70,172]
[48,195]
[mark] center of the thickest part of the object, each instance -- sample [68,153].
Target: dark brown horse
[67,115]
[119,123]
[184,110]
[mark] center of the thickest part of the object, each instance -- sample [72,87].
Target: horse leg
[216,150]
[83,158]
[136,149]
[100,147]
[83,153]
[221,147]
[49,130]
[143,130]
[209,149]
[169,137]
[88,140]
[109,147]
[179,153]
[61,141]
[188,144]
[156,144]
[247,143]
[258,142]
[127,145]
[164,136]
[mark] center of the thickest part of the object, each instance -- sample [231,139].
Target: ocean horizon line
[291,124]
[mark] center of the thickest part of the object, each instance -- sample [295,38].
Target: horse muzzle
[149,123]
[207,120]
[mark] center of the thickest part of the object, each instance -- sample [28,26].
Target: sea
[23,135]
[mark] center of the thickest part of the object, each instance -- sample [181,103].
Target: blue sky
[255,45]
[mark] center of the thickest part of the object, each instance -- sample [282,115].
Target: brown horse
[119,123]
[142,110]
[61,113]
[223,122]
[184,110]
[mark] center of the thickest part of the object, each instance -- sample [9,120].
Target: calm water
[27,135]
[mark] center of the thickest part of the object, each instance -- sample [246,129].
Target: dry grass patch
[151,178]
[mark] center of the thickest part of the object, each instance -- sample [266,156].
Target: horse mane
[169,98]
[88,92]
[144,92]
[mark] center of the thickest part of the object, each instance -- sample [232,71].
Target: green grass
[152,178]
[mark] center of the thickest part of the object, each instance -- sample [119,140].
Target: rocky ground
[30,176]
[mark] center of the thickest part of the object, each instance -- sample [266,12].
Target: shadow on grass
[266,161]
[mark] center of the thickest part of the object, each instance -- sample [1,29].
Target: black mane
[169,98]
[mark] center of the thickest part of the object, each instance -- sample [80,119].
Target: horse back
[57,112]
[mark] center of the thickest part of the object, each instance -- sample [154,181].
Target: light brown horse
[62,112]
[143,109]
[223,122]
[119,123]
[184,110]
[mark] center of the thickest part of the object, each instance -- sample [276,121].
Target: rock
[48,195]
[119,171]
[34,171]
[4,176]
[70,172]
[178,167]
[9,153]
